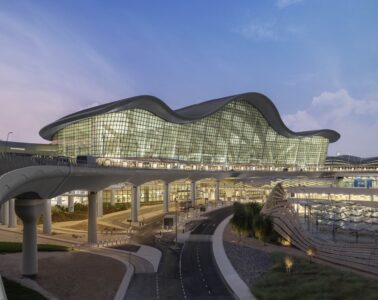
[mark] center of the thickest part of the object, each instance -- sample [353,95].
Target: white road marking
[157,287]
[201,273]
[180,270]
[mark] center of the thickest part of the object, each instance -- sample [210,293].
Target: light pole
[6,141]
[176,222]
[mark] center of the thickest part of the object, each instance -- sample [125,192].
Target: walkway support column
[100,204]
[166,197]
[193,193]
[112,199]
[71,203]
[92,218]
[47,217]
[59,200]
[217,186]
[139,192]
[134,203]
[29,210]
[5,213]
[12,214]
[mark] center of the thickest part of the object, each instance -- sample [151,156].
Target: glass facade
[179,190]
[236,134]
[150,192]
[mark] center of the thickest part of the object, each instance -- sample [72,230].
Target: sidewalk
[145,260]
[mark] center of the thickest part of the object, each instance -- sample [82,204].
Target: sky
[317,60]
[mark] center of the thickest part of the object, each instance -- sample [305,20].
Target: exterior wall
[237,134]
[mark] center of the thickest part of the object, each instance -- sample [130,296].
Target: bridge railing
[10,161]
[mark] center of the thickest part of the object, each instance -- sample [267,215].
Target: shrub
[247,219]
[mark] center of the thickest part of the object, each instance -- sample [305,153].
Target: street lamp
[6,141]
[176,202]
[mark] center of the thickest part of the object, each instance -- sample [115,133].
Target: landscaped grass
[16,291]
[10,247]
[312,281]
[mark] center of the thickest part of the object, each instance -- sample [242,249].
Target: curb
[142,253]
[122,290]
[227,272]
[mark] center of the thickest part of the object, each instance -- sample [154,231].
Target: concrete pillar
[12,214]
[217,186]
[112,199]
[166,198]
[59,200]
[100,205]
[92,218]
[71,204]
[29,210]
[47,217]
[5,213]
[134,203]
[193,193]
[139,196]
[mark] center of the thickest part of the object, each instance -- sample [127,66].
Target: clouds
[47,72]
[260,28]
[268,31]
[355,119]
[281,4]
[262,31]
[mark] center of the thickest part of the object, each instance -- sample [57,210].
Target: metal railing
[10,161]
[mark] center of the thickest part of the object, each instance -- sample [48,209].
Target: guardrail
[11,160]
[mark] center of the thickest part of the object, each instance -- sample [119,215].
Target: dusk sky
[316,59]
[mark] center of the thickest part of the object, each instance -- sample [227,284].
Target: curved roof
[187,114]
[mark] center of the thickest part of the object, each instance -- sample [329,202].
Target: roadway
[164,284]
[200,278]
[185,273]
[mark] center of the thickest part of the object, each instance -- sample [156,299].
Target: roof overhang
[187,114]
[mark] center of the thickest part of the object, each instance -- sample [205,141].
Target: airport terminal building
[241,132]
[237,133]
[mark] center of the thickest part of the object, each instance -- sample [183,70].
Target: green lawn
[10,247]
[312,281]
[16,291]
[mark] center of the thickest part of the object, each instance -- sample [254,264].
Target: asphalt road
[165,284]
[185,273]
[200,277]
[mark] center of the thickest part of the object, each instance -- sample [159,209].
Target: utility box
[169,221]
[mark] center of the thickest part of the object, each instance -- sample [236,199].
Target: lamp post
[176,202]
[6,141]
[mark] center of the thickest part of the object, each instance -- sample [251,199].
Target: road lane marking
[180,271]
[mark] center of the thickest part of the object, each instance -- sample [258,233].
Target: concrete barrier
[228,273]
